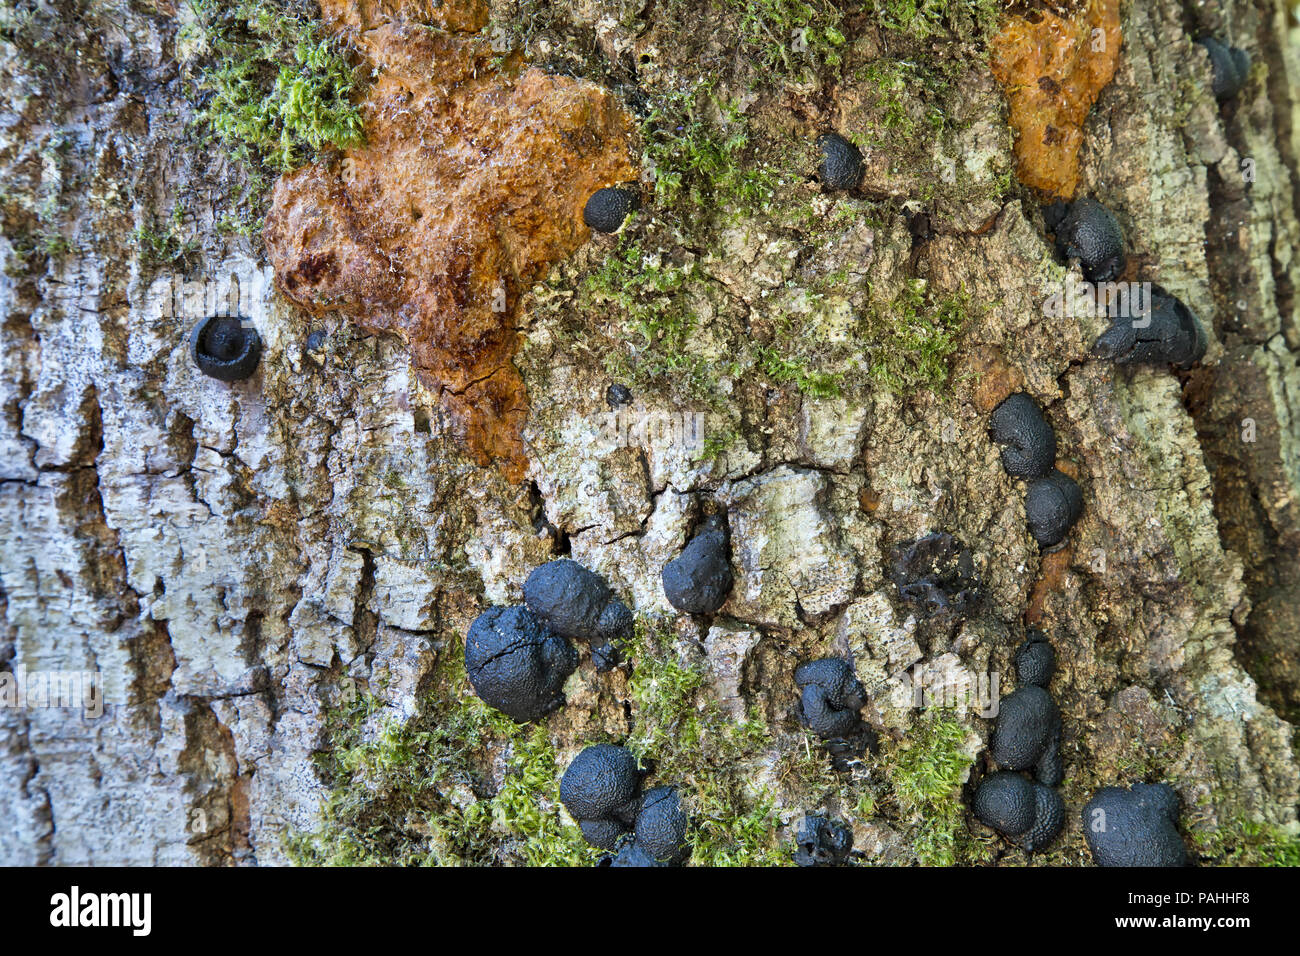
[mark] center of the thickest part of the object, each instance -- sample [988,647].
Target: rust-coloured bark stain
[471,184]
[1051,70]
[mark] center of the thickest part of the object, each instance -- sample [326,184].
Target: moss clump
[925,18]
[164,243]
[788,38]
[1248,843]
[926,775]
[913,337]
[679,729]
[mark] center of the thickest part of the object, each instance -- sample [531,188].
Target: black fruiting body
[660,828]
[822,842]
[516,664]
[601,789]
[841,165]
[936,574]
[1027,735]
[1231,67]
[831,697]
[699,579]
[1165,331]
[1023,810]
[1027,440]
[607,208]
[1052,506]
[225,347]
[1035,660]
[578,604]
[1088,231]
[1134,827]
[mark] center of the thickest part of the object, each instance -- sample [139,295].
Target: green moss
[926,776]
[926,18]
[164,243]
[787,38]
[1248,843]
[913,337]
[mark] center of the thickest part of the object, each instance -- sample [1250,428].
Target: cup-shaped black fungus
[601,789]
[1134,827]
[661,825]
[516,664]
[822,842]
[841,165]
[1165,331]
[831,697]
[1231,67]
[1027,440]
[578,604]
[1027,735]
[1023,810]
[1035,660]
[1052,506]
[225,347]
[1088,231]
[699,579]
[936,574]
[607,208]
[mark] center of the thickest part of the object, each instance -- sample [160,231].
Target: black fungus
[699,579]
[316,340]
[225,347]
[841,165]
[1035,660]
[1134,827]
[618,395]
[1052,506]
[609,207]
[822,842]
[632,853]
[1027,734]
[831,697]
[1231,67]
[1027,812]
[601,789]
[935,573]
[1027,440]
[1086,230]
[1168,332]
[578,604]
[660,828]
[516,664]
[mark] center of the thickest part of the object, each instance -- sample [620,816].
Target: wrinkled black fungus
[1035,660]
[841,165]
[1027,440]
[609,207]
[1027,812]
[225,347]
[618,395]
[831,697]
[699,579]
[1052,506]
[1086,230]
[632,853]
[516,664]
[601,789]
[660,828]
[1231,67]
[316,340]
[822,842]
[1134,827]
[1169,332]
[577,603]
[936,574]
[1027,735]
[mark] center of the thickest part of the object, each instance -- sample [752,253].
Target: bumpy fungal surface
[601,789]
[1023,810]
[699,579]
[516,664]
[225,347]
[471,184]
[1035,660]
[609,207]
[1027,735]
[1027,440]
[1089,232]
[1134,827]
[660,828]
[841,165]
[618,395]
[1052,506]
[831,697]
[1169,332]
[822,842]
[578,604]
[937,574]
[1231,67]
